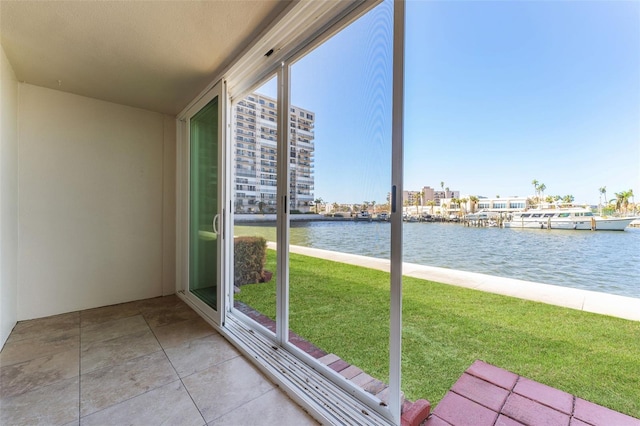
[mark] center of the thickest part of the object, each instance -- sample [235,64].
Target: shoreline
[585,300]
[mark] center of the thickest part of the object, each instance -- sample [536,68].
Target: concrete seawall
[584,300]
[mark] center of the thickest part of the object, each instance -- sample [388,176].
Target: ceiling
[156,55]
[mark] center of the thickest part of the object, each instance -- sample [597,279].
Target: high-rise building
[255,164]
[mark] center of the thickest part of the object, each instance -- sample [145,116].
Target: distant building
[428,194]
[255,145]
[506,204]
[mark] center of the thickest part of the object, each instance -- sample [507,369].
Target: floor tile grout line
[275,387]
[128,399]
[176,371]
[130,359]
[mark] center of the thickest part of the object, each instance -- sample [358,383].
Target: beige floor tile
[112,329]
[106,353]
[56,404]
[274,408]
[169,315]
[200,354]
[36,373]
[42,345]
[108,313]
[164,302]
[226,386]
[178,333]
[45,326]
[167,405]
[108,386]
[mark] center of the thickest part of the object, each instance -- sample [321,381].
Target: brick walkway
[486,395]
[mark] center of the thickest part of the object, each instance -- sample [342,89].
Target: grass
[344,309]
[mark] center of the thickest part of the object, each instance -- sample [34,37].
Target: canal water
[600,261]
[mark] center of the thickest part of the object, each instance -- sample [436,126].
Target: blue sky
[496,94]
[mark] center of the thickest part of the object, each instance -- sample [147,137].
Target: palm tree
[536,186]
[317,202]
[601,191]
[474,202]
[463,202]
[622,200]
[421,195]
[568,199]
[541,189]
[373,206]
[431,203]
[454,202]
[335,206]
[442,185]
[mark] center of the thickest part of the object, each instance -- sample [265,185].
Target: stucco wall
[95,189]
[8,197]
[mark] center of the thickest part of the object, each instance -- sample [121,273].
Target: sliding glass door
[203,227]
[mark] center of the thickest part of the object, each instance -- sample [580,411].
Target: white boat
[363,215]
[567,218]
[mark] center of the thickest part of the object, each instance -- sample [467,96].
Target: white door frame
[183,192]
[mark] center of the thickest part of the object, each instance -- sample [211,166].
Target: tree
[536,186]
[455,203]
[602,191]
[442,185]
[541,189]
[317,202]
[463,202]
[261,206]
[622,200]
[431,203]
[416,201]
[568,199]
[335,206]
[373,206]
[474,203]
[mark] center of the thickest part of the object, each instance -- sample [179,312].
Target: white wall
[169,207]
[8,198]
[93,219]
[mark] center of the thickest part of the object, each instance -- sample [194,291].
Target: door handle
[216,219]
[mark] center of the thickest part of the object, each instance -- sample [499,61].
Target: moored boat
[363,215]
[567,218]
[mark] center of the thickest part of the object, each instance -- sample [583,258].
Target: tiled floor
[148,362]
[486,395]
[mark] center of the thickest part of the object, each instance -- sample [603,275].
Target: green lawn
[344,309]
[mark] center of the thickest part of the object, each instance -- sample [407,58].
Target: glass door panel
[255,205]
[204,217]
[340,176]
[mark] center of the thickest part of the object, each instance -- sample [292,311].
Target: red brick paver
[488,395]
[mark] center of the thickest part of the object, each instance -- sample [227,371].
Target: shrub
[294,211]
[249,257]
